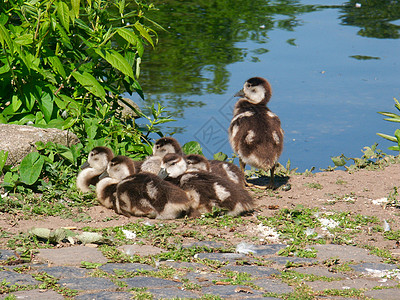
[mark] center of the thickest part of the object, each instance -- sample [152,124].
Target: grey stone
[283,260]
[105,296]
[344,253]
[368,267]
[271,249]
[358,283]
[273,286]
[222,257]
[19,140]
[149,282]
[254,271]
[87,284]
[16,278]
[231,291]
[128,267]
[64,272]
[385,294]
[172,293]
[35,295]
[71,256]
[183,265]
[5,254]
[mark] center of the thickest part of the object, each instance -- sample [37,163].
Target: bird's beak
[240,93]
[163,173]
[85,165]
[104,175]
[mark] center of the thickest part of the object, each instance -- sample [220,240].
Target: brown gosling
[95,165]
[145,194]
[161,147]
[225,169]
[255,132]
[206,190]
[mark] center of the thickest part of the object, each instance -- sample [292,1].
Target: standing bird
[255,132]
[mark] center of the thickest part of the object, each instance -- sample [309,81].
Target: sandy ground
[361,192]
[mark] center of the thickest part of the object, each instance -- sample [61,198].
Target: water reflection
[374,17]
[202,39]
[328,79]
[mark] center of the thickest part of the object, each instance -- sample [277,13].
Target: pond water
[332,68]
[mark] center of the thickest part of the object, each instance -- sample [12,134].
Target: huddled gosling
[145,194]
[224,169]
[205,189]
[95,165]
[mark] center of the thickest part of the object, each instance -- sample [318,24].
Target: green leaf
[128,35]
[64,37]
[90,83]
[143,32]
[389,114]
[192,148]
[13,106]
[3,159]
[388,137]
[75,7]
[119,62]
[91,126]
[394,148]
[31,167]
[63,14]
[46,104]
[57,66]
[220,156]
[25,39]
[339,161]
[5,38]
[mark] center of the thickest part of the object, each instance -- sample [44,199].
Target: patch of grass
[237,278]
[340,181]
[335,265]
[301,291]
[384,253]
[343,293]
[314,185]
[392,235]
[50,283]
[294,224]
[25,242]
[294,250]
[187,285]
[394,198]
[141,293]
[294,277]
[7,288]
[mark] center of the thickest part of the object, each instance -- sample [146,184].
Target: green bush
[65,63]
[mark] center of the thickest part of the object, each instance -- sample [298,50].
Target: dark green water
[332,66]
